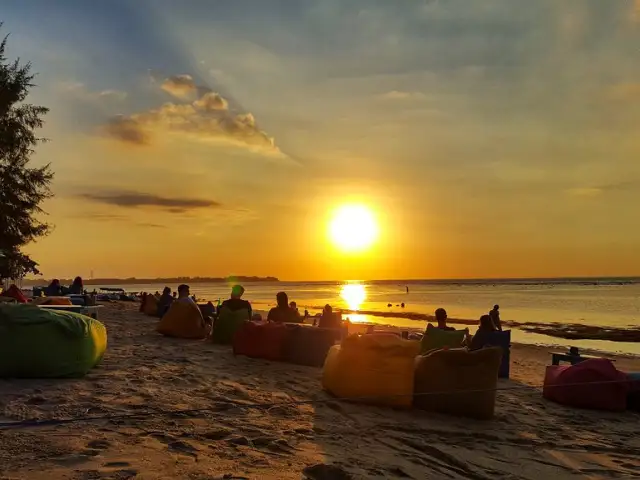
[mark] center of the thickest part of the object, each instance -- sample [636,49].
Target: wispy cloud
[401,95]
[81,92]
[138,199]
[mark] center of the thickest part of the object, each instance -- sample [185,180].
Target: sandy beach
[148,375]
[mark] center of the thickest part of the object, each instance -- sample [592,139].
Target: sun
[353,228]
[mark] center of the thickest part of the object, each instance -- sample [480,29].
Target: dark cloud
[127,130]
[136,200]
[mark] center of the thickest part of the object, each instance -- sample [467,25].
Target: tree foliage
[23,188]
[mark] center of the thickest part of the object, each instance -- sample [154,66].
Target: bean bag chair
[261,340]
[41,343]
[500,339]
[593,383]
[308,345]
[373,369]
[458,382]
[435,338]
[227,324]
[183,320]
[52,301]
[150,305]
[15,293]
[633,398]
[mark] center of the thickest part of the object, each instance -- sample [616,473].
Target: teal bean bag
[41,343]
[436,338]
[227,324]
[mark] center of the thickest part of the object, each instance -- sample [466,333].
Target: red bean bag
[308,345]
[261,340]
[594,383]
[15,293]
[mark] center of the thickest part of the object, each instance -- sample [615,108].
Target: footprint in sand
[98,444]
[323,471]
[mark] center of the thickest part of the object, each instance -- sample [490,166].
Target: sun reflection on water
[354,295]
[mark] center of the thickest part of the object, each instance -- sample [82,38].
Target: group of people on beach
[283,312]
[56,289]
[487,325]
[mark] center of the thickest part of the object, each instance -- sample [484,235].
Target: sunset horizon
[330,141]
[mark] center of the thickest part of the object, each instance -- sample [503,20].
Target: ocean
[532,304]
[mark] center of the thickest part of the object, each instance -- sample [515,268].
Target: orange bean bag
[474,375]
[183,320]
[374,369]
[52,301]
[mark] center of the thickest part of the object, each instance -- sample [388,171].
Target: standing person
[282,312]
[495,317]
[235,301]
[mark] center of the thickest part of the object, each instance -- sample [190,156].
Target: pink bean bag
[594,383]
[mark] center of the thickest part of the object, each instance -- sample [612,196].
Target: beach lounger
[91,311]
[557,357]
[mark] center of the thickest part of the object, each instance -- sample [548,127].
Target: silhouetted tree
[22,188]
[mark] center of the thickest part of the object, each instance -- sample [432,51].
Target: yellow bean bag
[473,374]
[183,320]
[374,369]
[150,306]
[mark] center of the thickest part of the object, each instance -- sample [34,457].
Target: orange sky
[490,141]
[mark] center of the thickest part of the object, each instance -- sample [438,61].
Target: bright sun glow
[353,228]
[354,295]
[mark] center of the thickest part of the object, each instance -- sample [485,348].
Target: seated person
[77,287]
[54,289]
[329,319]
[235,302]
[441,318]
[482,336]
[283,312]
[164,302]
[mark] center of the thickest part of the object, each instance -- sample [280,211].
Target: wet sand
[143,373]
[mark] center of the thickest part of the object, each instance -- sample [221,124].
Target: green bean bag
[41,343]
[227,324]
[436,338]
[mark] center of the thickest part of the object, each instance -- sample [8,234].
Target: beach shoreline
[180,391]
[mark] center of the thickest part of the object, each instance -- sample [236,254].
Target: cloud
[138,199]
[127,130]
[109,217]
[207,119]
[181,86]
[595,191]
[400,95]
[81,92]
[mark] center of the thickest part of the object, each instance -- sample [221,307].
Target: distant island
[166,281]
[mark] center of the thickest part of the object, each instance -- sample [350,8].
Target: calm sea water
[603,304]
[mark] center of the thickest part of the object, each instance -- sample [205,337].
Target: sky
[211,138]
